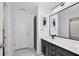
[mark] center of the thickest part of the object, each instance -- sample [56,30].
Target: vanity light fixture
[44,21]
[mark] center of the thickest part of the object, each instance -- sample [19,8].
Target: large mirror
[68,23]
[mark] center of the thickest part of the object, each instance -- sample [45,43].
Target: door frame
[7,26]
[35,32]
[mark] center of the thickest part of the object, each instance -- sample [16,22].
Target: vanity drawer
[44,42]
[52,46]
[62,52]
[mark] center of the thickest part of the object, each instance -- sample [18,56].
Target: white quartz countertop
[67,44]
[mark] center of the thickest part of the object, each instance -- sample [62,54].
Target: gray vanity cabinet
[49,49]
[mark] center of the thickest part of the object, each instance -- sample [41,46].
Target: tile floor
[26,52]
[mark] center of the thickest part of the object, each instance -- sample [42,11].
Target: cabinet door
[51,49]
[44,47]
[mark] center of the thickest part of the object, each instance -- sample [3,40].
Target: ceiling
[31,6]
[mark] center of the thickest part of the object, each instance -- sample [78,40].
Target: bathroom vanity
[53,48]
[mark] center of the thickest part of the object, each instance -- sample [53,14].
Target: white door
[20,29]
[1,28]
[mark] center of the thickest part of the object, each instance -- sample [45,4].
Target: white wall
[64,17]
[74,28]
[1,26]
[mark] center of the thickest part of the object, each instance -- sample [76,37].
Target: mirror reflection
[68,23]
